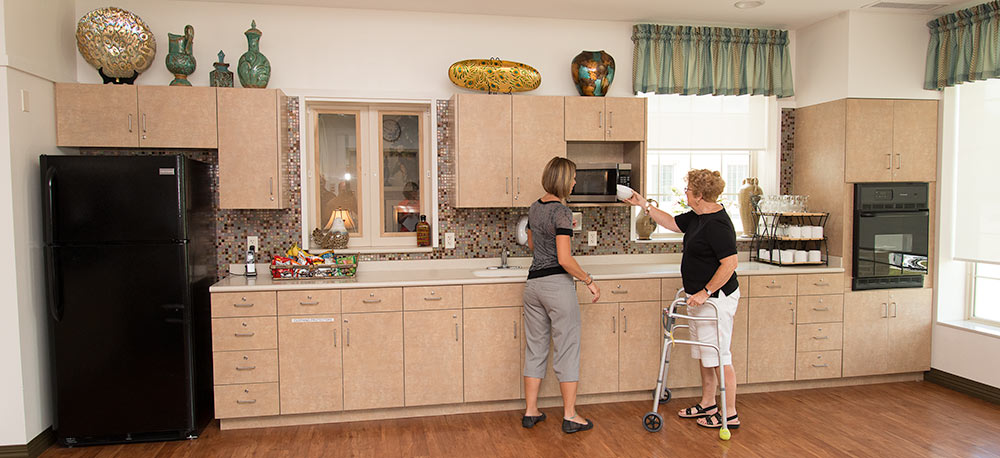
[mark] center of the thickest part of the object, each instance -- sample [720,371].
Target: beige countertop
[463,272]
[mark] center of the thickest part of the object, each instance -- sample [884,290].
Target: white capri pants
[705,331]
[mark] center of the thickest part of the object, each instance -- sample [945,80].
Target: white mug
[814,256]
[775,255]
[787,256]
[816,232]
[764,254]
[795,232]
[801,256]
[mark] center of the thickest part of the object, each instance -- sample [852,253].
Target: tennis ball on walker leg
[724,434]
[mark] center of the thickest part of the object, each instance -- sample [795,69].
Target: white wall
[820,60]
[364,53]
[887,55]
[35,38]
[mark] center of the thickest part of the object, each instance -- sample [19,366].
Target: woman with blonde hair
[708,271]
[551,310]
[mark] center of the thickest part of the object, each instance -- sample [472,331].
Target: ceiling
[785,14]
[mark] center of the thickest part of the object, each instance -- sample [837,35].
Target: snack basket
[332,267]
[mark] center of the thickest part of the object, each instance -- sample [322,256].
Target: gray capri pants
[551,311]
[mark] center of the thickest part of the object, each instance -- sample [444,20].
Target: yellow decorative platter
[116,42]
[494,75]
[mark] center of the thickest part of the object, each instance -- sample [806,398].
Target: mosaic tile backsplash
[479,232]
[787,149]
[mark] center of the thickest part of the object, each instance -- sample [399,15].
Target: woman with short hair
[551,310]
[708,271]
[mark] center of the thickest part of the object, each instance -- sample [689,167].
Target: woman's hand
[697,299]
[636,200]
[594,290]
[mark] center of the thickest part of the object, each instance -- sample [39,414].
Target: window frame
[369,182]
[971,303]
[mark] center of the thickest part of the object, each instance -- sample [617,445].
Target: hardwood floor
[911,419]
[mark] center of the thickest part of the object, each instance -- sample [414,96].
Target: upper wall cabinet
[502,144]
[123,116]
[605,119]
[891,140]
[253,148]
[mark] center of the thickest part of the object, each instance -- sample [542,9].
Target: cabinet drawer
[372,300]
[244,333]
[820,309]
[432,297]
[832,283]
[669,287]
[308,302]
[254,366]
[621,291]
[258,303]
[817,364]
[772,285]
[495,295]
[247,400]
[819,337]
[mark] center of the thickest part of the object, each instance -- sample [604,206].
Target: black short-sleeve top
[708,238]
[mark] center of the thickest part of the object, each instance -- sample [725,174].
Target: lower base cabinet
[639,345]
[492,353]
[771,339]
[887,332]
[432,342]
[598,348]
[685,371]
[310,364]
[373,360]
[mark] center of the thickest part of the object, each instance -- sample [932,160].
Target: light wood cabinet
[605,119]
[246,303]
[308,302]
[247,366]
[639,345]
[598,348]
[253,148]
[492,353]
[887,331]
[310,364]
[432,354]
[123,116]
[771,339]
[891,140]
[685,371]
[246,400]
[493,295]
[502,146]
[373,360]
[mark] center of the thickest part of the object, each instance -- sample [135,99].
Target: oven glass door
[891,244]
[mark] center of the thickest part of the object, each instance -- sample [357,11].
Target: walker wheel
[652,422]
[665,397]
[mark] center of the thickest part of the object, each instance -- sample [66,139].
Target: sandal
[697,411]
[715,421]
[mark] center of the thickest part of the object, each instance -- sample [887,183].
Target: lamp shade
[342,214]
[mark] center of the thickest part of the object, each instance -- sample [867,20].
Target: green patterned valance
[678,59]
[964,46]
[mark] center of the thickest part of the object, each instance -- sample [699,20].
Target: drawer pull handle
[821,365]
[243,305]
[821,309]
[244,334]
[309,303]
[433,298]
[821,337]
[245,368]
[772,286]
[248,401]
[371,301]
[821,283]
[625,291]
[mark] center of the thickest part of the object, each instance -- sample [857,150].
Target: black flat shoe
[570,427]
[529,422]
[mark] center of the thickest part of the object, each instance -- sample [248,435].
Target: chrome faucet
[503,258]
[251,259]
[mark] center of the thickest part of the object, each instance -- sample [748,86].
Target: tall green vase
[180,59]
[254,69]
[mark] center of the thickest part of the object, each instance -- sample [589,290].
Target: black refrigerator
[129,256]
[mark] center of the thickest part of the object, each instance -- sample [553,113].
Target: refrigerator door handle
[54,297]
[50,203]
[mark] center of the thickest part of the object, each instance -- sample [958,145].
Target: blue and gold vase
[180,59]
[254,69]
[593,72]
[221,76]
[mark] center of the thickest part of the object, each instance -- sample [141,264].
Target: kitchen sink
[498,272]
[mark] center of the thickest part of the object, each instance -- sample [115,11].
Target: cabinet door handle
[433,298]
[899,160]
[889,156]
[821,365]
[309,303]
[613,325]
[518,185]
[243,305]
[456,332]
[347,338]
[611,120]
[130,122]
[247,401]
[371,301]
[506,185]
[334,337]
[515,330]
[893,308]
[244,334]
[270,186]
[245,368]
[885,310]
[144,123]
[821,337]
[793,315]
[821,309]
[600,119]
[625,323]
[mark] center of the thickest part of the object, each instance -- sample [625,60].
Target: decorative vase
[644,224]
[423,232]
[117,43]
[180,60]
[593,72]
[221,76]
[254,69]
[749,195]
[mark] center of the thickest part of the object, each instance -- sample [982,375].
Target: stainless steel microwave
[598,182]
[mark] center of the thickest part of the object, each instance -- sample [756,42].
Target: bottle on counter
[423,232]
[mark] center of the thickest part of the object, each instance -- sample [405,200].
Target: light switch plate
[592,238]
[449,240]
[577,221]
[25,101]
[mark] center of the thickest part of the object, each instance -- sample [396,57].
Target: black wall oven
[891,224]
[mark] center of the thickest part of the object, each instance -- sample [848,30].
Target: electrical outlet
[449,240]
[252,241]
[592,238]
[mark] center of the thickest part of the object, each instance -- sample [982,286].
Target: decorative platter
[116,42]
[494,75]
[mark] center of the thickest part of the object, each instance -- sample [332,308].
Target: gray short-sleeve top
[546,220]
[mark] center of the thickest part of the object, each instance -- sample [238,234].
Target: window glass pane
[988,270]
[337,170]
[401,183]
[987,305]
